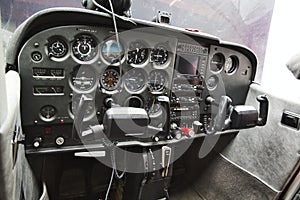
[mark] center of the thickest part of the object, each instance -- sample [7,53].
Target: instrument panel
[60,64]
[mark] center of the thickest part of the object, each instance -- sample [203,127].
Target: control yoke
[124,121]
[237,117]
[220,119]
[227,117]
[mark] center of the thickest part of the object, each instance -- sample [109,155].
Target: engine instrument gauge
[110,79]
[135,80]
[231,65]
[84,48]
[48,113]
[212,82]
[153,107]
[57,48]
[83,78]
[159,55]
[112,51]
[138,53]
[217,62]
[157,80]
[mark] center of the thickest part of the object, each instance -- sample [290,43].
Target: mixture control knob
[189,132]
[37,142]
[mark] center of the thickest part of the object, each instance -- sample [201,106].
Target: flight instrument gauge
[83,78]
[57,48]
[84,48]
[157,80]
[89,112]
[110,79]
[135,80]
[112,51]
[138,53]
[159,55]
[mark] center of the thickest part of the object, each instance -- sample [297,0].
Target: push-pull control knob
[177,134]
[37,142]
[60,141]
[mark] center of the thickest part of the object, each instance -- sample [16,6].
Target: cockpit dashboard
[62,59]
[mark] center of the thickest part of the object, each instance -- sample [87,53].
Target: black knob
[177,134]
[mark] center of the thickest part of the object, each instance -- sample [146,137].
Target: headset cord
[112,13]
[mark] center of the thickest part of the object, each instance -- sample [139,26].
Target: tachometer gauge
[112,51]
[84,48]
[135,80]
[57,48]
[157,80]
[159,55]
[138,53]
[110,79]
[83,78]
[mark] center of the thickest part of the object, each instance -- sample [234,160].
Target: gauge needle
[152,107]
[54,90]
[155,79]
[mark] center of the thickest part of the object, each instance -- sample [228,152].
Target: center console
[188,89]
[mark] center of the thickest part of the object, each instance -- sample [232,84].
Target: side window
[282,45]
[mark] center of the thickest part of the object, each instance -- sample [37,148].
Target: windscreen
[244,22]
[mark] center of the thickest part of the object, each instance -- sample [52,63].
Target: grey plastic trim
[3,100]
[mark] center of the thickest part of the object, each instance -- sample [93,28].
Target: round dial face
[134,101]
[83,78]
[57,48]
[135,80]
[138,53]
[153,107]
[84,48]
[231,64]
[159,55]
[110,79]
[112,51]
[157,80]
[217,62]
[48,113]
[88,112]
[212,82]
